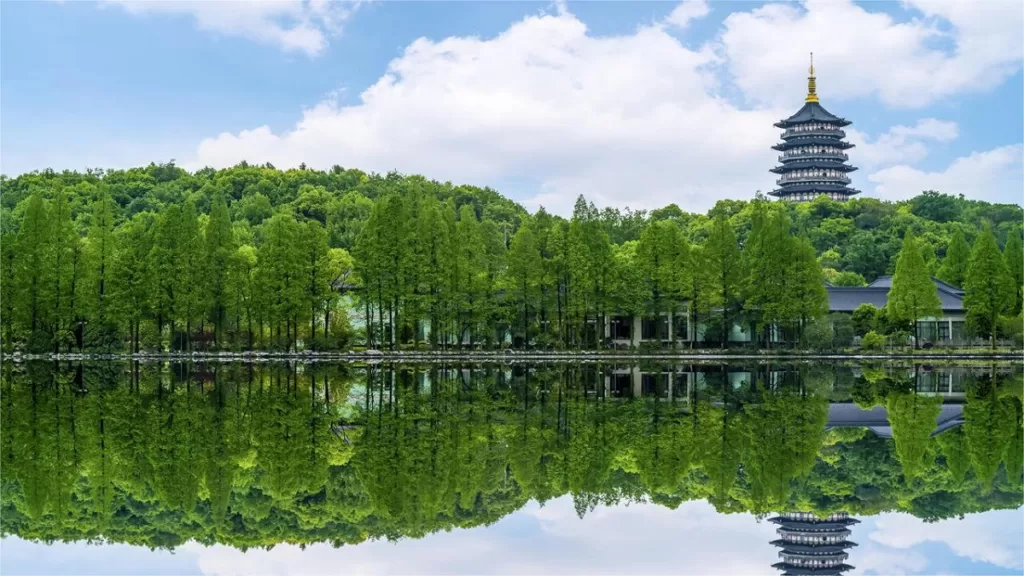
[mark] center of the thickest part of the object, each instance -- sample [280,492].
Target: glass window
[654,328]
[943,330]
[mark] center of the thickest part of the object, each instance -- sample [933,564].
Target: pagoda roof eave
[820,188]
[813,140]
[812,112]
[836,165]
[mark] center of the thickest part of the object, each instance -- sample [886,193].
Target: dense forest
[256,258]
[255,455]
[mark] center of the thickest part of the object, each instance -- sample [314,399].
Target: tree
[281,278]
[805,288]
[219,246]
[1013,254]
[315,262]
[913,294]
[100,251]
[32,274]
[134,283]
[954,265]
[847,279]
[864,319]
[722,256]
[523,275]
[988,290]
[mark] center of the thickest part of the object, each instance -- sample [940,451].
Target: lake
[575,467]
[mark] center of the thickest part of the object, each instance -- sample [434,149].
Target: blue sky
[639,538]
[640,103]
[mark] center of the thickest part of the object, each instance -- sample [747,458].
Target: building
[813,159]
[948,328]
[813,545]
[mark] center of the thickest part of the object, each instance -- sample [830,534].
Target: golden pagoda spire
[811,96]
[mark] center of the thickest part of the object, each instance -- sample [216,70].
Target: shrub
[864,319]
[872,341]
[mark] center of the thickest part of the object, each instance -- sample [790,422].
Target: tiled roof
[846,298]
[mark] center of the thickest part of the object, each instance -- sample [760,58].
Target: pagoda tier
[813,545]
[813,159]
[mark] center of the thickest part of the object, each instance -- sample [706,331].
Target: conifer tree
[101,248]
[989,288]
[523,276]
[954,265]
[33,272]
[135,287]
[219,247]
[722,257]
[1013,254]
[806,287]
[913,294]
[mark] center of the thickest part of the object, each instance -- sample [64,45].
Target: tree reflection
[254,455]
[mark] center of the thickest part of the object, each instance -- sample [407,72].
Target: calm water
[115,468]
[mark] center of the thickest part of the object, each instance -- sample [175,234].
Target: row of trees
[192,276]
[252,456]
[252,257]
[558,281]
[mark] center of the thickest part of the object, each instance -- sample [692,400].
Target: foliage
[872,341]
[156,258]
[865,318]
[253,455]
[913,294]
[989,290]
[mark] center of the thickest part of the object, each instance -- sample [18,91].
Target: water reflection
[258,455]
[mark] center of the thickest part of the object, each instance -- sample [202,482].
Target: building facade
[813,159]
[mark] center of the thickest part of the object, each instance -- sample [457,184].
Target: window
[943,330]
[654,328]
[681,327]
[621,327]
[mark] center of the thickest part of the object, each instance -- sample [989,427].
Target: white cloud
[860,52]
[293,25]
[979,537]
[635,120]
[687,11]
[994,175]
[640,538]
[900,144]
[627,120]
[890,563]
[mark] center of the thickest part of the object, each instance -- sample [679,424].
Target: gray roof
[812,112]
[847,298]
[877,419]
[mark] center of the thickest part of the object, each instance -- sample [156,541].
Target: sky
[551,539]
[636,104]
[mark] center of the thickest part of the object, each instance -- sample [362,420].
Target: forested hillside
[254,257]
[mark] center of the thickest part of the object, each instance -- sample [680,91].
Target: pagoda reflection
[812,544]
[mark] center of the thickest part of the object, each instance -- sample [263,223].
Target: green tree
[913,295]
[988,290]
[722,256]
[954,265]
[864,319]
[1013,254]
[101,252]
[135,286]
[219,247]
[32,273]
[524,275]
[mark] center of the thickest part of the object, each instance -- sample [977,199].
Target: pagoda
[813,151]
[813,545]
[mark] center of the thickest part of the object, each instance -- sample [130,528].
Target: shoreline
[507,356]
